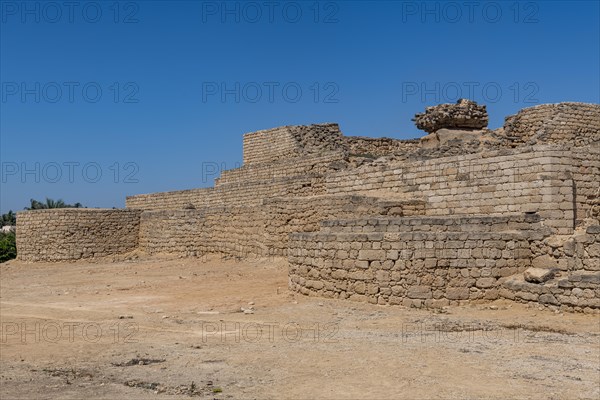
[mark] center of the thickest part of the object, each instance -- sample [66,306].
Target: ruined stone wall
[252,193]
[422,223]
[586,178]
[577,289]
[231,194]
[288,215]
[269,145]
[286,142]
[237,231]
[437,261]
[66,234]
[267,172]
[248,231]
[178,232]
[532,179]
[412,266]
[249,185]
[579,252]
[318,139]
[559,183]
[457,221]
[232,231]
[576,123]
[170,200]
[377,147]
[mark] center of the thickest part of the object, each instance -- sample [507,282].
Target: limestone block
[457,293]
[545,262]
[419,292]
[370,255]
[538,275]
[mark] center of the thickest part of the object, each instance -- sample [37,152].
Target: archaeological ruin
[463,214]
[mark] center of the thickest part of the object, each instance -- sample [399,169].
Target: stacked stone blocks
[412,222]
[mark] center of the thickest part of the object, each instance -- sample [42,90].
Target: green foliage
[8,246]
[38,205]
[8,219]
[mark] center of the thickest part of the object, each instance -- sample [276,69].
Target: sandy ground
[173,328]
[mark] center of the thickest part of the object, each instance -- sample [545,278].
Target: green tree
[10,219]
[36,205]
[8,246]
[50,203]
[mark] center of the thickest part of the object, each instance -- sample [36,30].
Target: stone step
[450,239]
[287,168]
[471,223]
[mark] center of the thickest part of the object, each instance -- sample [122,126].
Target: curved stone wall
[578,123]
[75,233]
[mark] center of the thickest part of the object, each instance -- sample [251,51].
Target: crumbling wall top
[577,123]
[291,141]
[465,114]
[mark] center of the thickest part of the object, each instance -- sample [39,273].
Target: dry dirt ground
[173,328]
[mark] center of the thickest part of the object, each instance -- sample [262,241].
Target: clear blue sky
[151,93]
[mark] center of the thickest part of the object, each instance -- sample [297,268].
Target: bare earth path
[173,328]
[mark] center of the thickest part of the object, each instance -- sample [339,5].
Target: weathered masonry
[462,214]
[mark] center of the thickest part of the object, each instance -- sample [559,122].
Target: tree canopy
[50,203]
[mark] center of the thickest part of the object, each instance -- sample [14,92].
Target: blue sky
[105,99]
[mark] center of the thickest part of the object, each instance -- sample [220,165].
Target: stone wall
[578,252]
[75,233]
[269,145]
[237,231]
[285,142]
[282,169]
[576,289]
[531,179]
[318,139]
[252,193]
[247,231]
[231,231]
[438,261]
[179,232]
[405,261]
[414,222]
[558,182]
[170,200]
[230,194]
[249,185]
[288,215]
[576,123]
[377,147]
[422,223]
[586,177]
